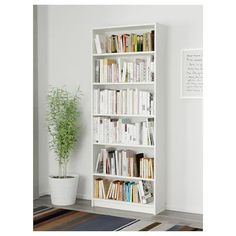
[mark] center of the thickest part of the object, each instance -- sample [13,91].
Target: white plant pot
[63,191]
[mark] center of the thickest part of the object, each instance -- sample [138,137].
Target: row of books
[141,192]
[124,163]
[126,101]
[119,43]
[123,131]
[124,70]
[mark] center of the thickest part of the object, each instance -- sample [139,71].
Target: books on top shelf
[123,131]
[123,70]
[141,192]
[125,101]
[124,163]
[127,42]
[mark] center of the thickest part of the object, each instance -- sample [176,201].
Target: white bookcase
[156,150]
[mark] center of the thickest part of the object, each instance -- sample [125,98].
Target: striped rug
[54,219]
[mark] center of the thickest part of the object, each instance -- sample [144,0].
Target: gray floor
[167,217]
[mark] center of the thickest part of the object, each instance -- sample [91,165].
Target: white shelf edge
[121,177]
[125,26]
[124,145]
[124,203]
[115,54]
[126,83]
[124,115]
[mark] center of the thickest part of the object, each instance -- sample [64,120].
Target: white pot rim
[71,175]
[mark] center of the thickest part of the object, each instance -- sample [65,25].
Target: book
[100,43]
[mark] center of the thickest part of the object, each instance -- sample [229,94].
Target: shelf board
[123,54]
[121,177]
[124,145]
[124,203]
[126,27]
[126,83]
[124,115]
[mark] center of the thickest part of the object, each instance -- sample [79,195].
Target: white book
[101,71]
[103,152]
[124,164]
[98,44]
[108,102]
[113,165]
[148,104]
[135,71]
[141,192]
[131,72]
[135,111]
[118,132]
[114,99]
[152,107]
[131,101]
[106,105]
[138,72]
[120,163]
[124,101]
[118,98]
[98,159]
[144,133]
[117,162]
[101,102]
[100,189]
[124,71]
[119,70]
[148,68]
[140,102]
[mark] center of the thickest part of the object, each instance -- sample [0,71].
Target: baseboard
[43,194]
[84,196]
[187,210]
[81,196]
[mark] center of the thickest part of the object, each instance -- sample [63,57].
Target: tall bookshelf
[155,151]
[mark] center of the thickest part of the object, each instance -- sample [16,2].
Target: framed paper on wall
[191,73]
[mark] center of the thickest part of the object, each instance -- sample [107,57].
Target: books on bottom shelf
[124,163]
[127,191]
[123,131]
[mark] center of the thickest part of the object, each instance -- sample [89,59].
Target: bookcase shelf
[122,177]
[153,84]
[117,54]
[126,83]
[124,145]
[121,115]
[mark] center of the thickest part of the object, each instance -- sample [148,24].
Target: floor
[166,217]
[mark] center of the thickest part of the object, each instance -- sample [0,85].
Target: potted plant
[63,127]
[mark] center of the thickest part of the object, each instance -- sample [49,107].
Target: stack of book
[124,163]
[123,131]
[124,42]
[124,70]
[126,101]
[101,188]
[128,191]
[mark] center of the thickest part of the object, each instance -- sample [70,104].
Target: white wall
[65,34]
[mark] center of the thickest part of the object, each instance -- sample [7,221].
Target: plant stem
[60,168]
[65,169]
